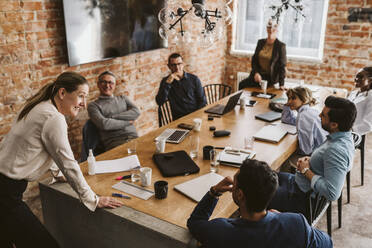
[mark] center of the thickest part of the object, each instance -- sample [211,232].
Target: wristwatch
[214,193]
[304,170]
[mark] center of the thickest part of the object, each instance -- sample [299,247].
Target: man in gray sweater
[113,115]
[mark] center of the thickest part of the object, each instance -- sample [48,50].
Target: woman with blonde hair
[37,142]
[298,111]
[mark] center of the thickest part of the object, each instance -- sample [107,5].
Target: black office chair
[215,92]
[164,114]
[316,208]
[91,140]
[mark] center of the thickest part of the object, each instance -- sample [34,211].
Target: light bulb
[163,33]
[186,37]
[165,16]
[199,10]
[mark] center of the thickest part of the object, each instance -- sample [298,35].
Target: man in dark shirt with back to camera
[252,189]
[183,90]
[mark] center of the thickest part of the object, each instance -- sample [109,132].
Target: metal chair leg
[362,158]
[329,219]
[339,206]
[348,186]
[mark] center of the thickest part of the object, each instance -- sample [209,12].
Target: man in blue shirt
[324,172]
[252,189]
[183,90]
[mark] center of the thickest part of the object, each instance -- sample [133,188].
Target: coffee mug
[206,150]
[242,103]
[161,189]
[145,175]
[197,124]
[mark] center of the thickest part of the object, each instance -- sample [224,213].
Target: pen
[123,177]
[120,195]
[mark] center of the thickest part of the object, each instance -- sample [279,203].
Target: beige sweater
[40,141]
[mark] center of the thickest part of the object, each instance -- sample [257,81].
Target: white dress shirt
[363,121]
[39,141]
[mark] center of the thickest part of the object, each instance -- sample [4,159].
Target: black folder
[175,164]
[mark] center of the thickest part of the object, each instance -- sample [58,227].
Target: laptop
[196,188]
[172,135]
[221,109]
[269,116]
[270,133]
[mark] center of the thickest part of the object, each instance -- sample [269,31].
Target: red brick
[12,28]
[32,6]
[9,5]
[35,26]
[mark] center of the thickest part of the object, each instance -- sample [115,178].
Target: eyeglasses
[106,82]
[176,64]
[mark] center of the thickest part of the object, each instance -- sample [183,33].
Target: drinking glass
[194,146]
[214,156]
[132,147]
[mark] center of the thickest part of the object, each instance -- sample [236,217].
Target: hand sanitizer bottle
[91,163]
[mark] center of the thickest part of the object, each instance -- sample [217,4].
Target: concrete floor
[356,230]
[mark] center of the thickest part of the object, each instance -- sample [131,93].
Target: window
[304,42]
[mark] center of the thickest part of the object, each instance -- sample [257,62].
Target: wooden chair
[164,114]
[215,92]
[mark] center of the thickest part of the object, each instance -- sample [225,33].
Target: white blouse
[363,121]
[36,143]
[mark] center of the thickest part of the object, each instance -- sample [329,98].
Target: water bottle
[91,163]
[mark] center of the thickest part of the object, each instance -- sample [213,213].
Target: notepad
[234,157]
[198,187]
[133,189]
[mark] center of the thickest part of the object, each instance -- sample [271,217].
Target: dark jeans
[18,225]
[289,197]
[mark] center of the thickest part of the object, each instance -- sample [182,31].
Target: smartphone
[251,103]
[185,126]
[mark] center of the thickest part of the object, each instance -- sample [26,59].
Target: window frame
[250,51]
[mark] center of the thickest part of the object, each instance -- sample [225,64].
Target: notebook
[198,187]
[173,135]
[234,157]
[269,116]
[221,109]
[270,133]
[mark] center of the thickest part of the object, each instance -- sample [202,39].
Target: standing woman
[269,60]
[298,111]
[38,140]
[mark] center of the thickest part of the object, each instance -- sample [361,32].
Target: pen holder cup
[206,150]
[161,189]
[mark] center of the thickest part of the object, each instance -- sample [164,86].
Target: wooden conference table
[159,223]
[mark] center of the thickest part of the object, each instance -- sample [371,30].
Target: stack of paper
[117,165]
[235,157]
[133,189]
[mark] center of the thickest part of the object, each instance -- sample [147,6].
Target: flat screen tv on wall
[102,29]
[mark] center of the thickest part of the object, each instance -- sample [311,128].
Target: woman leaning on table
[269,60]
[36,142]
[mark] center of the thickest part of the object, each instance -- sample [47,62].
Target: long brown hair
[303,93]
[69,80]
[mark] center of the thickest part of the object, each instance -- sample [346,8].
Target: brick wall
[33,52]
[348,47]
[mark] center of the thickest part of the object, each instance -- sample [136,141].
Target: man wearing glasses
[183,90]
[113,115]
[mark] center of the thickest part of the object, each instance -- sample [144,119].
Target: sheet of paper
[117,165]
[134,190]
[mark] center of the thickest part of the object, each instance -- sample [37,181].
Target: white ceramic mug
[197,124]
[160,145]
[145,174]
[242,103]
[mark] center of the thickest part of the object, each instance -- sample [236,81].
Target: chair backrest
[215,92]
[91,140]
[316,207]
[357,139]
[164,114]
